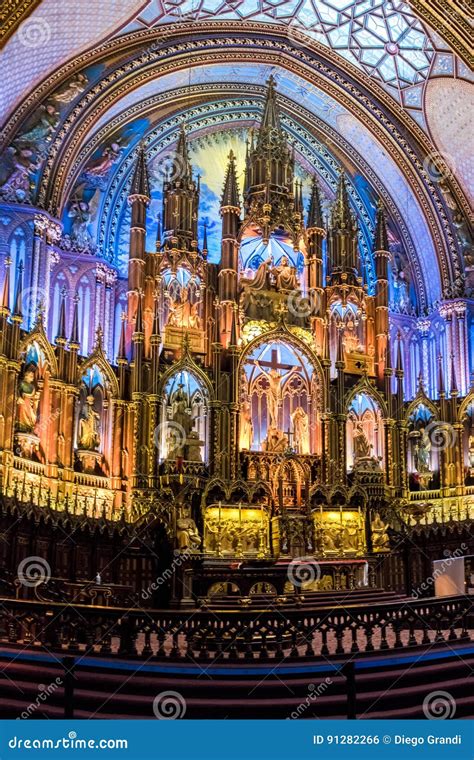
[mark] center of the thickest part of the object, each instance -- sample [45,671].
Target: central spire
[271,116]
[269,192]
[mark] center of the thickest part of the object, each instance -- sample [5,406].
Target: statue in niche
[400,284]
[183,313]
[471,451]
[246,427]
[181,414]
[422,454]
[351,536]
[80,213]
[193,447]
[380,539]
[274,392]
[300,422]
[260,280]
[187,533]
[276,441]
[351,340]
[361,446]
[285,275]
[89,427]
[27,402]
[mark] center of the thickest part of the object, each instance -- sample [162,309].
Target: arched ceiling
[362,84]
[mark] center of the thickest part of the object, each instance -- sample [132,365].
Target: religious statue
[27,402]
[471,451]
[21,166]
[193,447]
[274,391]
[380,539]
[181,415]
[422,453]
[47,119]
[260,279]
[351,340]
[400,285]
[187,533]
[246,427]
[276,441]
[300,422]
[81,216]
[71,89]
[350,537]
[362,447]
[183,313]
[285,275]
[89,436]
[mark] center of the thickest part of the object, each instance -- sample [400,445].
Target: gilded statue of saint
[183,313]
[361,445]
[27,402]
[246,427]
[187,532]
[285,275]
[89,436]
[300,422]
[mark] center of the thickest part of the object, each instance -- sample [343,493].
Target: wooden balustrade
[233,635]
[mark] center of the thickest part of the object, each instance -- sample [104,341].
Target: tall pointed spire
[140,180]
[61,334]
[139,314]
[441,388]
[205,249]
[315,213]
[271,116]
[122,349]
[74,339]
[341,216]
[230,193]
[182,168]
[158,235]
[156,317]
[399,367]
[17,306]
[5,305]
[454,386]
[381,236]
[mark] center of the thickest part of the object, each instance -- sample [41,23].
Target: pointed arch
[38,336]
[99,359]
[365,387]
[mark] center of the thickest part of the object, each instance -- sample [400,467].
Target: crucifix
[275,380]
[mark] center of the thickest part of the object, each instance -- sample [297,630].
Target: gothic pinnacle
[74,339]
[380,237]
[140,180]
[17,306]
[230,193]
[315,214]
[61,336]
[271,117]
[341,217]
[5,305]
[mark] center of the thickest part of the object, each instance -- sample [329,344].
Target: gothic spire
[441,388]
[156,317]
[158,235]
[271,116]
[139,314]
[140,180]
[17,307]
[122,351]
[230,193]
[5,305]
[399,366]
[183,167]
[204,239]
[61,336]
[74,339]
[454,386]
[341,216]
[315,214]
[380,237]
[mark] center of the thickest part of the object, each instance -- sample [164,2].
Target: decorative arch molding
[99,359]
[469,399]
[421,399]
[187,364]
[365,387]
[312,65]
[229,487]
[281,334]
[38,335]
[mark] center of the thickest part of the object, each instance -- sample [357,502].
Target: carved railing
[239,636]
